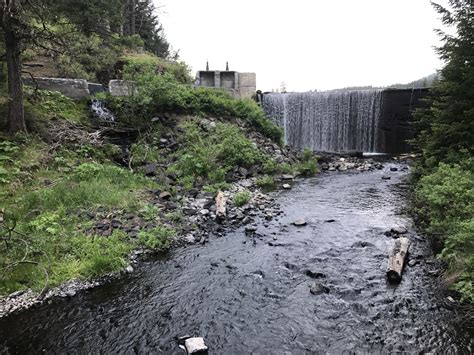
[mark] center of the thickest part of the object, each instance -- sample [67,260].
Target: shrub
[446,197]
[242,198]
[158,93]
[266,182]
[445,204]
[210,155]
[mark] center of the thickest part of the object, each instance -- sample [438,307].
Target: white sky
[308,44]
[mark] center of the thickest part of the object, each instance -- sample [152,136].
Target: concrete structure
[242,85]
[74,88]
[395,125]
[120,87]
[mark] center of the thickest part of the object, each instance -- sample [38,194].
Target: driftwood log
[220,205]
[396,260]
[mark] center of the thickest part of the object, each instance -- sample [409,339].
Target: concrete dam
[372,121]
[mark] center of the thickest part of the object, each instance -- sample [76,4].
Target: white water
[328,121]
[101,111]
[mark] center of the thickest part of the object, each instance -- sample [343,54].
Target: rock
[361,244]
[204,212]
[399,230]
[165,195]
[332,168]
[385,177]
[250,229]
[330,221]
[450,299]
[129,269]
[244,172]
[170,205]
[150,169]
[342,168]
[195,346]
[413,262]
[393,168]
[287,177]
[318,288]
[204,203]
[314,274]
[190,239]
[193,192]
[300,222]
[286,186]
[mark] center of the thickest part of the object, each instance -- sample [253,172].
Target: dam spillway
[375,121]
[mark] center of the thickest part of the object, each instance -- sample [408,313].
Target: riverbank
[247,291]
[197,209]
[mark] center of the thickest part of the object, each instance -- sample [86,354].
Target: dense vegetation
[444,174]
[73,203]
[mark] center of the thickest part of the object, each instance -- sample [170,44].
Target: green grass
[49,235]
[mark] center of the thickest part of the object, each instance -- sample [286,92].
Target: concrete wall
[395,126]
[74,88]
[120,88]
[247,85]
[241,85]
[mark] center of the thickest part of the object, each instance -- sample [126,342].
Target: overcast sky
[308,44]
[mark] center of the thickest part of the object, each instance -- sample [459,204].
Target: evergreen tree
[446,126]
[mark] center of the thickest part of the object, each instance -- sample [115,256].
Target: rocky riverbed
[269,285]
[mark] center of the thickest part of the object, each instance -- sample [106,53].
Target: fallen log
[396,260]
[220,205]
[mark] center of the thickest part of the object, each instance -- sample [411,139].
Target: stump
[396,260]
[220,205]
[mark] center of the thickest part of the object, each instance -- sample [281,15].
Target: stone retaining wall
[74,88]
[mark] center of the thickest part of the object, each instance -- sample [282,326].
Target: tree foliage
[446,126]
[445,139]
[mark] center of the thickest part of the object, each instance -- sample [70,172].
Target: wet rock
[330,221]
[300,222]
[317,288]
[250,229]
[195,346]
[413,262]
[393,168]
[361,244]
[314,274]
[385,177]
[399,230]
[190,239]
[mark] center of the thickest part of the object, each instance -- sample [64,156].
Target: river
[251,294]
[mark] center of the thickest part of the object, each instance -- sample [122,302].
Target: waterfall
[335,121]
[99,109]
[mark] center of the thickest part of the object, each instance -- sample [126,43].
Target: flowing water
[100,110]
[338,121]
[247,294]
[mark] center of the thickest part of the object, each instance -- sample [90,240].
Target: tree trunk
[396,260]
[16,113]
